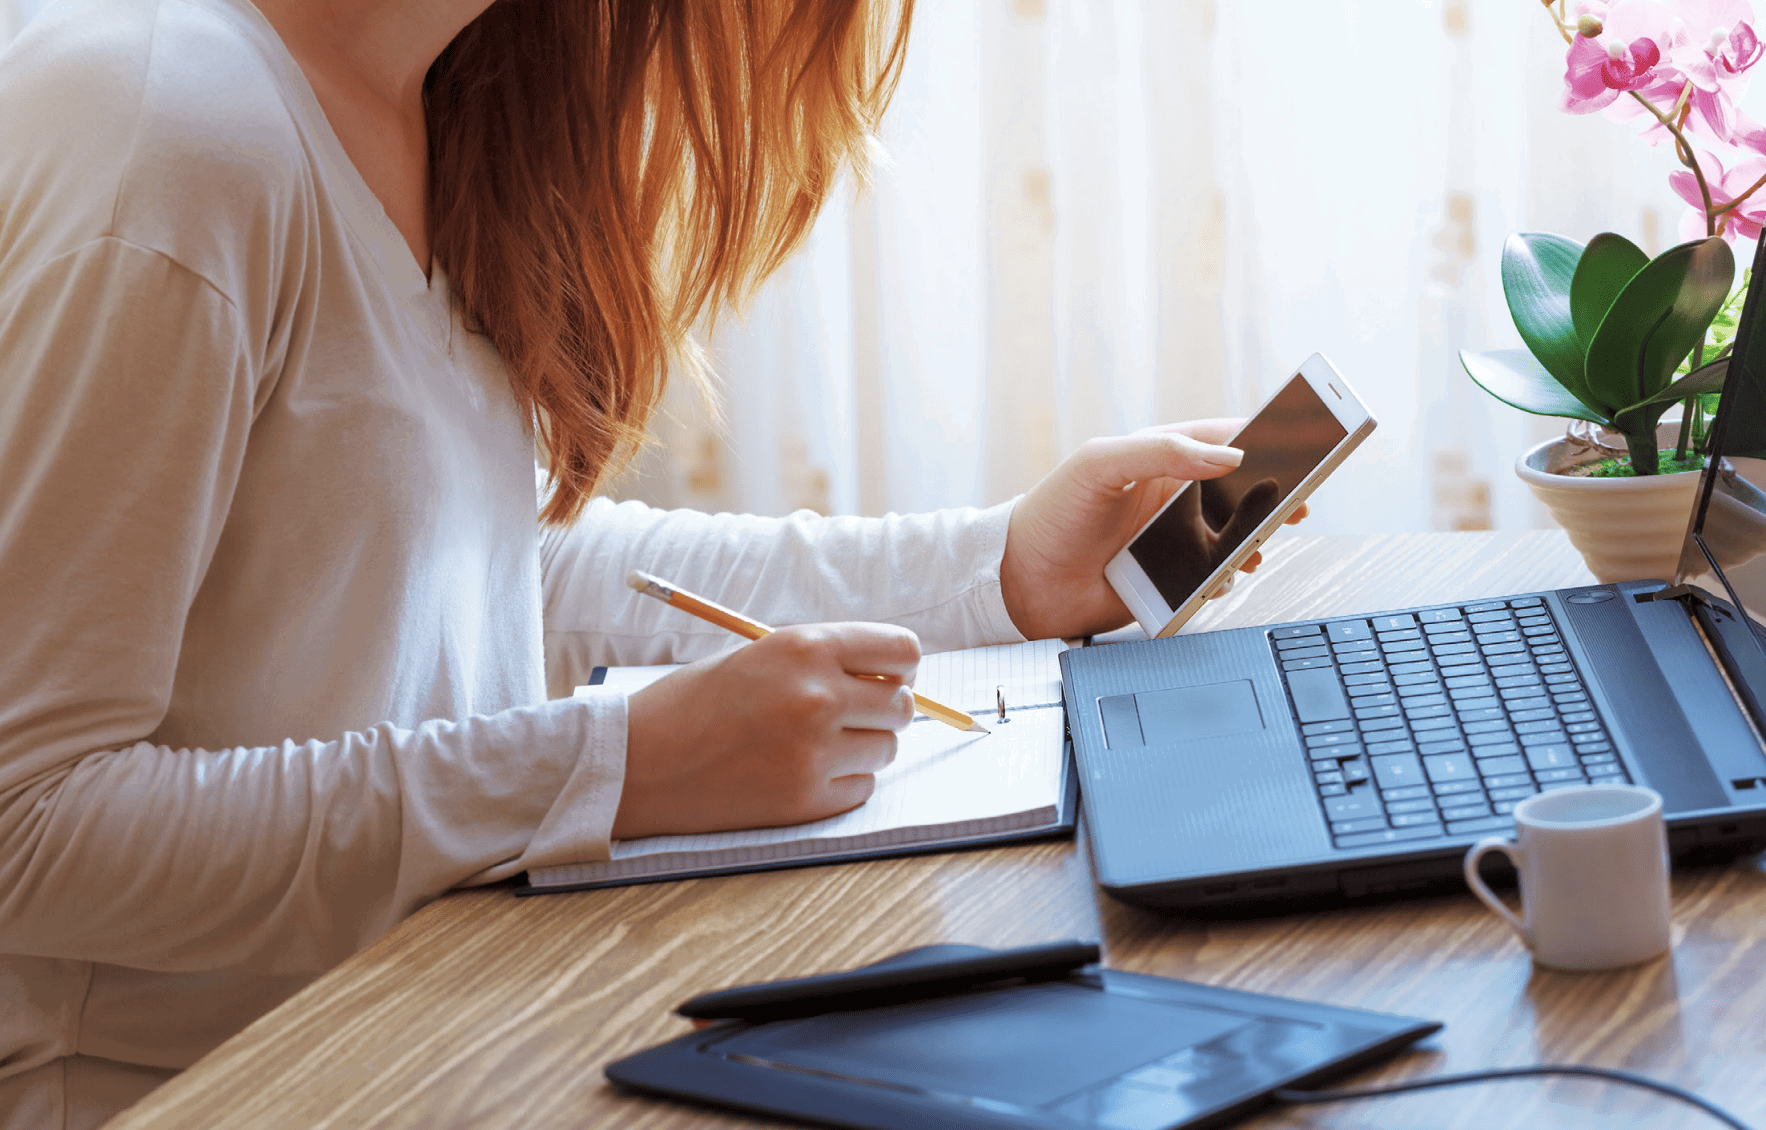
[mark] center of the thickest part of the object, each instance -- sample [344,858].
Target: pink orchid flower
[1745,221]
[1625,55]
[1717,46]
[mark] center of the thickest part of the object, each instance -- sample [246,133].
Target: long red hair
[604,174]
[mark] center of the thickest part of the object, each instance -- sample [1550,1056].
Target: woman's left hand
[1071,524]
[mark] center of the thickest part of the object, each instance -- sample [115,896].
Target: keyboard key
[1489,737]
[1561,678]
[1420,725]
[1342,725]
[1496,749]
[1355,652]
[1355,806]
[1366,702]
[1313,644]
[1440,616]
[1420,804]
[1610,769]
[1317,697]
[1445,745]
[1596,758]
[1485,606]
[1548,737]
[1487,725]
[1416,698]
[1345,630]
[1539,702]
[1464,812]
[1397,622]
[1362,668]
[1332,790]
[1510,694]
[1487,824]
[1389,747]
[1537,631]
[1490,649]
[1552,786]
[1448,788]
[1566,774]
[1519,716]
[1464,682]
[1538,726]
[1297,630]
[1479,713]
[1489,617]
[1504,806]
[1528,682]
[1362,680]
[1412,819]
[1373,725]
[1407,792]
[1403,649]
[1508,670]
[1450,767]
[1332,777]
[1489,635]
[1414,710]
[1397,770]
[1579,716]
[1550,757]
[1593,747]
[1413,668]
[1455,648]
[1320,741]
[1525,601]
[1359,690]
[1416,678]
[1387,711]
[1554,668]
[1453,631]
[1474,698]
[1355,772]
[1499,766]
[1303,664]
[1582,727]
[1391,639]
[1427,691]
[1390,835]
[1460,670]
[1510,790]
[1564,698]
[1342,827]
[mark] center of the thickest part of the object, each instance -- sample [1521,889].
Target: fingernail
[1222,456]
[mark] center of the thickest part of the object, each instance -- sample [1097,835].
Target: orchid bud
[1588,25]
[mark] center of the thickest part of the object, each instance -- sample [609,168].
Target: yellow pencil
[754,629]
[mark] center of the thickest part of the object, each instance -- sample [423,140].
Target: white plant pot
[1628,529]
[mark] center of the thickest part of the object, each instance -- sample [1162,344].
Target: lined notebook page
[945,785]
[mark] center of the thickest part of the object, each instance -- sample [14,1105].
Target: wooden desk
[485,1010]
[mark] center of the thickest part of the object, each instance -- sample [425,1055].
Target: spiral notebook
[946,789]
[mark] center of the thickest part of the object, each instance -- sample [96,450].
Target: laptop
[1357,757]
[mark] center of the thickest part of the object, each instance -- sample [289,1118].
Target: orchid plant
[1612,336]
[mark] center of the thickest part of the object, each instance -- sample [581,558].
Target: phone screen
[1211,518]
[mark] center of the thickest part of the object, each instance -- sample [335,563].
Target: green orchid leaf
[1704,379]
[1515,377]
[1658,318]
[1607,264]
[1537,270]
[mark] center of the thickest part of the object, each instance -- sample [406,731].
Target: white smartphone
[1210,527]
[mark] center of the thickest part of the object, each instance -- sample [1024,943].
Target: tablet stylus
[898,980]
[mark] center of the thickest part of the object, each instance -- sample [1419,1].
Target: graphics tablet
[1100,1049]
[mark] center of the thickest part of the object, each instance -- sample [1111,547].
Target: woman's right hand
[787,729]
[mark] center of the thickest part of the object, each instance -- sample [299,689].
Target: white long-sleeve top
[276,613]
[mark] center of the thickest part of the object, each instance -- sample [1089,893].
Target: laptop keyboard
[1436,723]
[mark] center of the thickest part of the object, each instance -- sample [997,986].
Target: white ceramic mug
[1593,863]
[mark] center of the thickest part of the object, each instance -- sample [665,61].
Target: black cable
[1610,1074]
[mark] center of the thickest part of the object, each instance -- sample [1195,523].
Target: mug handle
[1485,895]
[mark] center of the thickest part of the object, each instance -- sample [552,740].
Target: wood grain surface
[485,1010]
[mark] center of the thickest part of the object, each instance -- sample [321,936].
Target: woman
[288,294]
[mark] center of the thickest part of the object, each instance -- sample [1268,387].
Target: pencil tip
[979,728]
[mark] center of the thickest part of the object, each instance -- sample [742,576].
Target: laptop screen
[1728,524]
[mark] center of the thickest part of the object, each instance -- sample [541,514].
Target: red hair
[604,174]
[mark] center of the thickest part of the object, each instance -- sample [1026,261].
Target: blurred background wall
[1104,214]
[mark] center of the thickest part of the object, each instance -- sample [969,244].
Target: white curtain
[1104,214]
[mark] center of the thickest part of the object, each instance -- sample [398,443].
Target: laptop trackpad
[1180,714]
